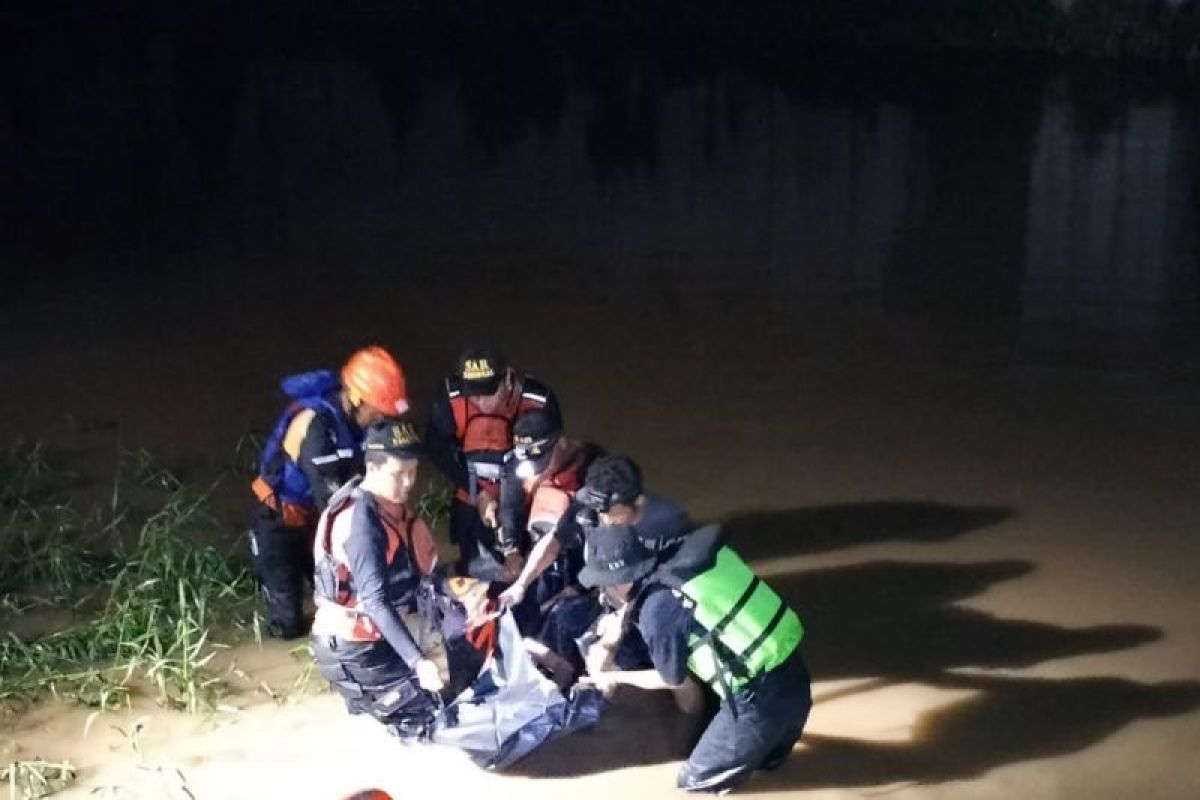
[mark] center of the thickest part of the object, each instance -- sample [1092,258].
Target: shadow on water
[1009,720]
[900,622]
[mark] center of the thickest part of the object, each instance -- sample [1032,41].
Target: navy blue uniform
[757,729]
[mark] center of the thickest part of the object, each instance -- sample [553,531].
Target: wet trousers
[373,680]
[771,712]
[478,554]
[283,566]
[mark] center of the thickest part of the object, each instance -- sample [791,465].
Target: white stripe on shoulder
[453,393]
[541,398]
[329,459]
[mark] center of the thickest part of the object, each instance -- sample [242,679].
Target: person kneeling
[705,613]
[373,555]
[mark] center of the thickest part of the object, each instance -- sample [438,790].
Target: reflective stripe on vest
[749,628]
[479,432]
[485,438]
[286,480]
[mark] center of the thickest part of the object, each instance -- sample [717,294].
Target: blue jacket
[315,391]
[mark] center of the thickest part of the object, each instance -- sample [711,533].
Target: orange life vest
[485,438]
[549,495]
[411,553]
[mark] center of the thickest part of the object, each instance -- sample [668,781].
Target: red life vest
[485,438]
[411,553]
[550,494]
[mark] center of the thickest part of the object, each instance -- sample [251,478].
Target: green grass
[37,778]
[433,504]
[149,602]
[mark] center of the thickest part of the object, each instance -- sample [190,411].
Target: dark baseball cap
[614,555]
[481,368]
[393,437]
[534,433]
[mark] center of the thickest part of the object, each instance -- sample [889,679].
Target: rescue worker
[537,489]
[703,612]
[612,494]
[314,448]
[539,482]
[469,433]
[374,557]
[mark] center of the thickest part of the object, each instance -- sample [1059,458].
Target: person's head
[535,435]
[373,386]
[391,450]
[616,562]
[613,489]
[485,377]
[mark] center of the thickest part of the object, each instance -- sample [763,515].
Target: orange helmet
[373,377]
[370,794]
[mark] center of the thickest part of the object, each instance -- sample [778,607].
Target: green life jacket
[747,628]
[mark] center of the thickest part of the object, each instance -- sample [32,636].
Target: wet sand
[992,545]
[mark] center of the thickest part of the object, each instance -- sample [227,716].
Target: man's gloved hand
[427,676]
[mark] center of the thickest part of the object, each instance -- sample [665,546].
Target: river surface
[924,333]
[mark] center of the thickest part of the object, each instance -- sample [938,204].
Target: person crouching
[704,613]
[372,556]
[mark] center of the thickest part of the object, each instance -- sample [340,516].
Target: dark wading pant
[478,555]
[283,565]
[771,713]
[374,680]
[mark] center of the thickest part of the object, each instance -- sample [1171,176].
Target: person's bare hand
[488,508]
[428,677]
[605,682]
[512,596]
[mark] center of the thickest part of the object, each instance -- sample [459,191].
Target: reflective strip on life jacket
[479,432]
[749,629]
[332,457]
[485,438]
[288,482]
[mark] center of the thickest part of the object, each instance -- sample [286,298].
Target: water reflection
[940,185]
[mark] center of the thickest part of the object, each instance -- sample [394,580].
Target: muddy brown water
[924,337]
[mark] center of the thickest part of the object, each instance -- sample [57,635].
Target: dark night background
[906,293]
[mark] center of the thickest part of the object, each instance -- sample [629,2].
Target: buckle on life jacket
[293,515]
